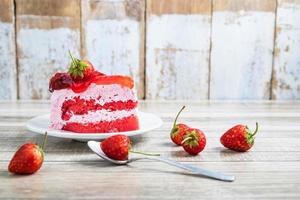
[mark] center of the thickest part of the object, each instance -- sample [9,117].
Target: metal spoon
[95,147]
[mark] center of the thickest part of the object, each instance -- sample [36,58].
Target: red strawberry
[179,130]
[60,81]
[80,69]
[89,68]
[28,159]
[80,86]
[116,147]
[239,138]
[194,141]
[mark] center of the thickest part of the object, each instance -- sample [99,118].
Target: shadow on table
[224,151]
[99,163]
[178,172]
[168,144]
[6,174]
[69,146]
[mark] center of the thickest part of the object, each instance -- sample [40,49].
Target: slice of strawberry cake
[86,101]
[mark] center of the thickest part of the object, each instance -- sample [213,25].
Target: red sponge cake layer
[125,124]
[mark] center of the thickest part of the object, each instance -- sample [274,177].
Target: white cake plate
[40,125]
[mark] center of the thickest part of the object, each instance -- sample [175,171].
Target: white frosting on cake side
[108,93]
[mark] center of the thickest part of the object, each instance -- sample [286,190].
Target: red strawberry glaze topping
[82,74]
[60,81]
[95,77]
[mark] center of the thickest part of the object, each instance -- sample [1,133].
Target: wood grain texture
[242,46]
[46,30]
[246,5]
[271,170]
[184,7]
[177,49]
[152,181]
[8,75]
[113,37]
[286,74]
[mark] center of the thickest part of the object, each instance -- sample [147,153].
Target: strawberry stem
[72,58]
[77,66]
[186,139]
[256,130]
[175,121]
[45,140]
[144,153]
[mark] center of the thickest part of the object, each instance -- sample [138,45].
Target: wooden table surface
[271,170]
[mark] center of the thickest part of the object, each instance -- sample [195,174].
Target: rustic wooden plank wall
[174,49]
[178,45]
[242,49]
[286,74]
[113,37]
[46,30]
[8,68]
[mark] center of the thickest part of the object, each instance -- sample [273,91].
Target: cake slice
[92,102]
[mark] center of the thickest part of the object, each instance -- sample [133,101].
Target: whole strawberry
[194,141]
[116,147]
[239,138]
[80,69]
[60,81]
[179,130]
[28,159]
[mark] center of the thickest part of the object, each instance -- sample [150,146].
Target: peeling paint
[134,9]
[287,60]
[177,56]
[39,60]
[113,37]
[245,5]
[8,89]
[241,57]
[113,46]
[6,11]
[69,8]
[287,48]
[180,7]
[178,45]
[47,22]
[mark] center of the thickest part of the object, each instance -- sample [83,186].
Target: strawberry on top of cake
[87,101]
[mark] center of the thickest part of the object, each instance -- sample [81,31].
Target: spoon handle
[194,169]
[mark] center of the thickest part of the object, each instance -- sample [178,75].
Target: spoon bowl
[95,147]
